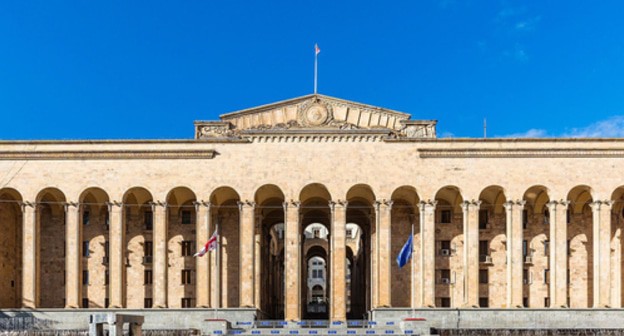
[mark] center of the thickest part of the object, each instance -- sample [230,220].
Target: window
[85,302]
[349,233]
[148,220]
[106,248]
[445,302]
[525,248]
[525,302]
[568,247]
[85,217]
[187,303]
[483,219]
[445,276]
[186,277]
[547,276]
[483,277]
[148,248]
[546,302]
[85,277]
[186,217]
[525,220]
[525,277]
[147,303]
[106,277]
[484,302]
[445,247]
[85,248]
[484,249]
[568,277]
[187,248]
[317,274]
[147,277]
[106,220]
[106,303]
[317,233]
[445,216]
[546,217]
[546,247]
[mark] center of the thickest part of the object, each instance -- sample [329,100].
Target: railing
[311,324]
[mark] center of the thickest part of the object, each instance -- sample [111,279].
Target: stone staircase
[318,327]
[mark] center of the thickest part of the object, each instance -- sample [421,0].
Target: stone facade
[500,223]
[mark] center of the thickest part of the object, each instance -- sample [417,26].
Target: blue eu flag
[406,252]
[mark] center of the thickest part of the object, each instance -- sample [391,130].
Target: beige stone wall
[403,215]
[52,256]
[339,165]
[178,233]
[97,236]
[136,290]
[10,255]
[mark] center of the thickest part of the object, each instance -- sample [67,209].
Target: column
[202,223]
[383,213]
[427,254]
[73,256]
[338,306]
[30,250]
[558,253]
[246,248]
[515,262]
[292,262]
[159,211]
[601,215]
[117,254]
[257,260]
[616,266]
[471,252]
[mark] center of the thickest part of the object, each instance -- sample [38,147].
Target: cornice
[175,154]
[463,153]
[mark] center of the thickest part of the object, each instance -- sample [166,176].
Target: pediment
[313,114]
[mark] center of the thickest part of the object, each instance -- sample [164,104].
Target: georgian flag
[210,245]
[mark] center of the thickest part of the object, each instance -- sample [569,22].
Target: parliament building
[313,199]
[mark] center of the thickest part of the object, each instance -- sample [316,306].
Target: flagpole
[412,270]
[316,52]
[218,262]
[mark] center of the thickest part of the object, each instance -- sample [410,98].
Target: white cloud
[532,133]
[528,24]
[612,127]
[609,128]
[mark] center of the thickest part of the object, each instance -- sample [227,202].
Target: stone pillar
[515,262]
[601,215]
[117,253]
[383,211]
[292,262]
[471,252]
[159,211]
[427,254]
[203,229]
[73,256]
[616,266]
[338,306]
[257,260]
[558,253]
[30,250]
[246,247]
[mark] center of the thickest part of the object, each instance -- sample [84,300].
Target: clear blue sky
[148,69]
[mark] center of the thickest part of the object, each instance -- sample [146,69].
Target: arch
[404,221]
[579,196]
[138,221]
[493,196]
[94,237]
[314,191]
[580,242]
[449,238]
[536,198]
[226,214]
[362,192]
[51,233]
[181,234]
[536,222]
[10,247]
[269,200]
